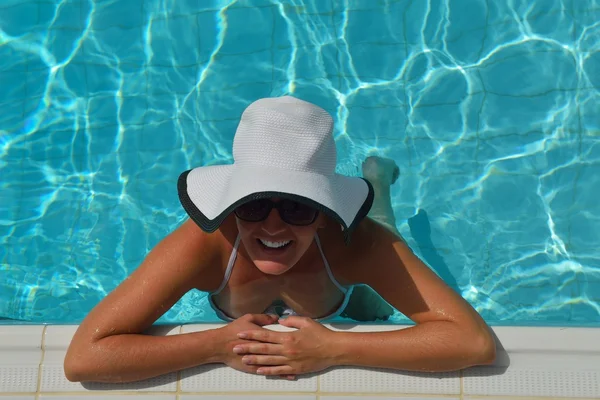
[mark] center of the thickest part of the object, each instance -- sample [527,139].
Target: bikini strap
[327,268]
[232,259]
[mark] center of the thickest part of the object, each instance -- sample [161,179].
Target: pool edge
[548,362]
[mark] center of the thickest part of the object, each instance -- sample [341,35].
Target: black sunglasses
[291,212]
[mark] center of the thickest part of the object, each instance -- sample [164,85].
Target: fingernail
[242,335]
[260,371]
[237,349]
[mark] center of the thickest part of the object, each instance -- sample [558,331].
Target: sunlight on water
[489,108]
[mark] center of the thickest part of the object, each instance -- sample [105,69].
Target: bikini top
[279,307]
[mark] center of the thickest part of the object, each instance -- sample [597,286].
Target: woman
[279,237]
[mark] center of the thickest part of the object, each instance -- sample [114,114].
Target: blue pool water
[490,108]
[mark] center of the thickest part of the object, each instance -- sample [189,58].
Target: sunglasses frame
[279,206]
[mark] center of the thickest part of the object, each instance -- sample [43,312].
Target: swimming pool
[489,108]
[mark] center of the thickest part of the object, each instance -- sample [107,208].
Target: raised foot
[380,170]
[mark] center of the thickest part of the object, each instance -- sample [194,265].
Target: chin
[272,267]
[270,261]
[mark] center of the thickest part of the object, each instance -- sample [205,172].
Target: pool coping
[547,362]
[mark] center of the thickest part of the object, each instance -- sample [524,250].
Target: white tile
[106,397]
[501,398]
[366,328]
[56,342]
[556,362]
[205,327]
[548,361]
[20,356]
[374,380]
[199,327]
[492,381]
[388,398]
[18,378]
[378,380]
[53,380]
[494,398]
[31,397]
[248,397]
[553,362]
[57,339]
[548,339]
[222,378]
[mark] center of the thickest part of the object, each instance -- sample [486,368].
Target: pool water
[491,109]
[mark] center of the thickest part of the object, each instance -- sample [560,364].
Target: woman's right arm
[109,345]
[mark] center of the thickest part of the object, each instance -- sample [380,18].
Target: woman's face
[274,245]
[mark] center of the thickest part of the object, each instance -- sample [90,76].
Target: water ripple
[489,108]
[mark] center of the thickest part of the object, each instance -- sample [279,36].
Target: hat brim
[210,194]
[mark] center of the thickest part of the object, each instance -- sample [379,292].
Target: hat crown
[286,133]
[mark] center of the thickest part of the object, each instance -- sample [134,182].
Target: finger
[264,360]
[261,319]
[263,335]
[279,370]
[296,322]
[258,348]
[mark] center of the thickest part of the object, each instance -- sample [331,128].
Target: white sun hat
[283,147]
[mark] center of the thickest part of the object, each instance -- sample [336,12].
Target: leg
[382,173]
[365,304]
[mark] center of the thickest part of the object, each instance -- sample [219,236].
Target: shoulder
[371,236]
[205,253]
[371,244]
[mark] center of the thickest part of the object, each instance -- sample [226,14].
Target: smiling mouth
[274,246]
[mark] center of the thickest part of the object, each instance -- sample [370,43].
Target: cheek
[305,234]
[321,221]
[244,228]
[247,235]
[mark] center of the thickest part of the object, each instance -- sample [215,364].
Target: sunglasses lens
[296,213]
[254,211]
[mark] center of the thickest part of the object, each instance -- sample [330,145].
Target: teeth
[274,245]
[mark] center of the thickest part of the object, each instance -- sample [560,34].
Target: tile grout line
[512,397]
[178,385]
[461,375]
[38,388]
[357,395]
[411,396]
[330,394]
[99,392]
[318,386]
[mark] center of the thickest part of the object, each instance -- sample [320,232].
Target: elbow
[489,355]
[76,367]
[483,349]
[73,372]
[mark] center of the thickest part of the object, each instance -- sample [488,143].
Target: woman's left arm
[449,334]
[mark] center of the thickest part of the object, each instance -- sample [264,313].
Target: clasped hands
[254,349]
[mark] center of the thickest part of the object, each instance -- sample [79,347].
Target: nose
[273,224]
